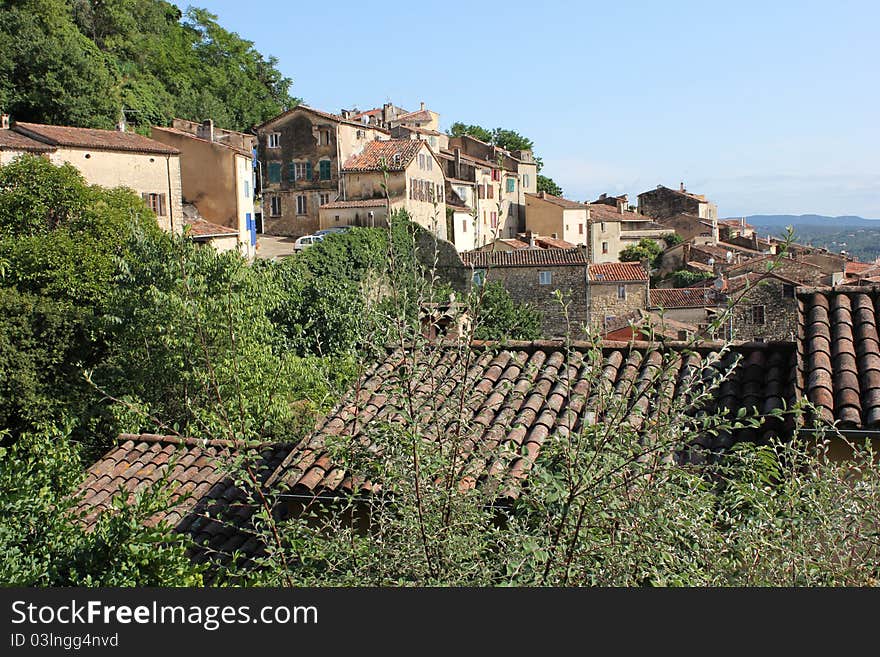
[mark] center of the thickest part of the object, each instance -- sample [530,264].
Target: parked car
[306,241]
[336,229]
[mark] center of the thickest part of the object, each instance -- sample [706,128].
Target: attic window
[395,159]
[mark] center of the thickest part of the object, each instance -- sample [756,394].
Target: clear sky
[767,107]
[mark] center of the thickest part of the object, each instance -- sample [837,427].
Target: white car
[306,241]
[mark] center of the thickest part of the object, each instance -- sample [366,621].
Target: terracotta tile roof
[685,297]
[107,140]
[802,272]
[418,115]
[336,118]
[202,229]
[856,267]
[10,140]
[839,352]
[515,243]
[189,135]
[557,200]
[367,203]
[737,283]
[205,502]
[552,243]
[617,271]
[603,212]
[526,258]
[395,153]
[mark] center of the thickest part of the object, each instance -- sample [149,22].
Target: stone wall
[779,313]
[605,302]
[662,202]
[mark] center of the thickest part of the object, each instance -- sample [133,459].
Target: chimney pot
[681,186]
[422,106]
[4,121]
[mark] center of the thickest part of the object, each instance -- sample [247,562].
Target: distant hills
[782,220]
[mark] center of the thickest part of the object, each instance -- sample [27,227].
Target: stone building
[692,228]
[217,175]
[610,230]
[764,308]
[405,172]
[110,158]
[533,276]
[301,153]
[663,203]
[615,289]
[804,273]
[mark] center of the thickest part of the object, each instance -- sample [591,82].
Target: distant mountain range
[782,220]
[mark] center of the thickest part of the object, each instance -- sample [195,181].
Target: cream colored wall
[610,234]
[223,244]
[485,207]
[431,216]
[244,194]
[350,144]
[543,217]
[142,172]
[464,230]
[330,217]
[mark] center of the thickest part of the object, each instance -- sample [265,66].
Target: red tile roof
[557,200]
[107,140]
[201,229]
[686,297]
[336,118]
[418,115]
[396,154]
[802,272]
[553,243]
[604,212]
[839,353]
[189,135]
[10,140]
[617,271]
[367,203]
[526,258]
[205,502]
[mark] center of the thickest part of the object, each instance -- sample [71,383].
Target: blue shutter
[308,170]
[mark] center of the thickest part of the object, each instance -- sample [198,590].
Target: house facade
[557,217]
[614,290]
[113,158]
[663,202]
[217,175]
[301,153]
[404,172]
[611,229]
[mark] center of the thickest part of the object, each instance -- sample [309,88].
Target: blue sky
[767,107]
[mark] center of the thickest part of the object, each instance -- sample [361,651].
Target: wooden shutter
[161,204]
[308,170]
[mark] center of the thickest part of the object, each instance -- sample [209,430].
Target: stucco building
[557,217]
[403,173]
[610,230]
[217,175]
[109,158]
[301,153]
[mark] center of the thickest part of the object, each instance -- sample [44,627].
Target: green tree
[498,317]
[686,278]
[547,185]
[646,249]
[459,129]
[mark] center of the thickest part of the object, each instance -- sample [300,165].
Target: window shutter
[275,172]
[162,212]
[291,172]
[308,170]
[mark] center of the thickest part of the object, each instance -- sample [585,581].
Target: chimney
[206,130]
[4,121]
[120,122]
[531,240]
[422,106]
[603,196]
[681,186]
[742,222]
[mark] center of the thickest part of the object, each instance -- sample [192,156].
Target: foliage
[547,185]
[498,317]
[509,140]
[687,278]
[459,129]
[80,63]
[44,540]
[671,239]
[646,249]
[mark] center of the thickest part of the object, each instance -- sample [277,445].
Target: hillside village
[309,171]
[660,284]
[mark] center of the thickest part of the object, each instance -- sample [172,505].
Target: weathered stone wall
[662,203]
[780,313]
[605,301]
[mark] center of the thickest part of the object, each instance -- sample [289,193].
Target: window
[490,191]
[323,199]
[525,180]
[299,171]
[324,169]
[496,174]
[621,292]
[301,206]
[494,216]
[511,185]
[545,277]
[360,134]
[484,217]
[247,188]
[481,191]
[604,247]
[757,314]
[421,161]
[324,138]
[788,291]
[274,140]
[602,226]
[464,225]
[274,206]
[430,162]
[479,277]
[274,172]
[580,229]
[156,203]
